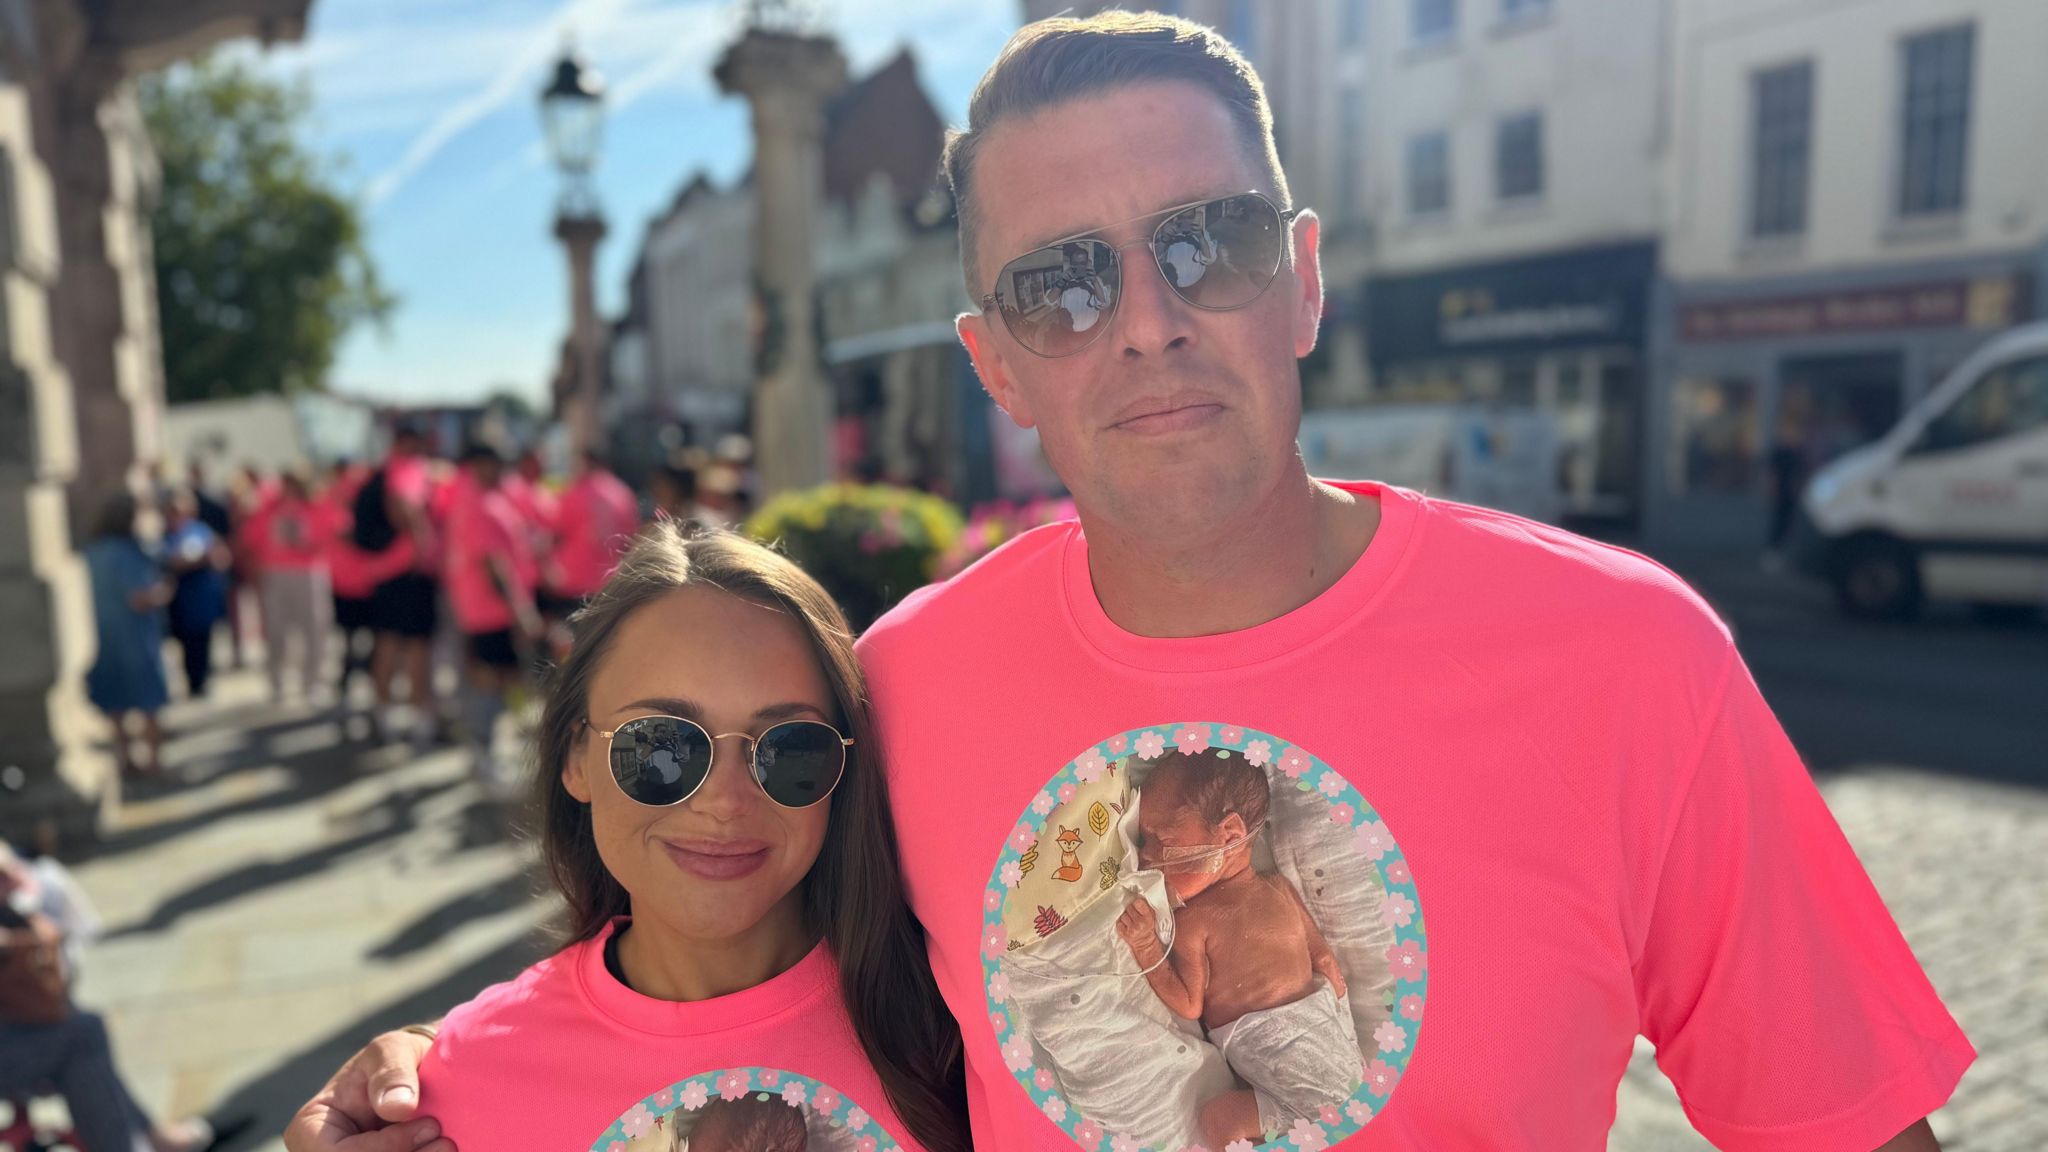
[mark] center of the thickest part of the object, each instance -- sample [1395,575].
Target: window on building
[1514,11]
[1429,174]
[1351,22]
[1241,26]
[1935,131]
[2008,401]
[1435,20]
[1518,157]
[1351,153]
[1715,434]
[1783,149]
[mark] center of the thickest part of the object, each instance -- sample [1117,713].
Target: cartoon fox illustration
[1070,868]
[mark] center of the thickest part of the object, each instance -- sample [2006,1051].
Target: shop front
[1765,381]
[1563,334]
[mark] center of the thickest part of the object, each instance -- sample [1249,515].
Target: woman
[129,592]
[198,562]
[716,819]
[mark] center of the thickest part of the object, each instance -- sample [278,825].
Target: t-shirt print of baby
[1247,963]
[746,1110]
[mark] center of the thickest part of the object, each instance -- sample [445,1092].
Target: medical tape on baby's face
[1195,858]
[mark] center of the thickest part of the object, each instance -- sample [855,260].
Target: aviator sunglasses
[1215,254]
[661,761]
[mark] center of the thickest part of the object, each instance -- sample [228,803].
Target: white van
[1952,504]
[1502,458]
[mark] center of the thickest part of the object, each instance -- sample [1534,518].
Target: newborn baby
[1247,960]
[746,1125]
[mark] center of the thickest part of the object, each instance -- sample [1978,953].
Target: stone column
[787,77]
[580,235]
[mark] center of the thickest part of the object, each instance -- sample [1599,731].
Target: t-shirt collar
[804,981]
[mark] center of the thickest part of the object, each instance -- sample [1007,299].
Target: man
[490,574]
[392,525]
[595,519]
[289,539]
[1578,819]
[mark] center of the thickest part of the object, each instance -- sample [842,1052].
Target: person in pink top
[354,574]
[490,573]
[290,539]
[1529,797]
[595,521]
[391,523]
[741,973]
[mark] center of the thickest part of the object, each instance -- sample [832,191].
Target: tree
[261,268]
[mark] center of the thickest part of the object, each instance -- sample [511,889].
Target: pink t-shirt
[290,533]
[482,525]
[1522,786]
[567,1057]
[597,517]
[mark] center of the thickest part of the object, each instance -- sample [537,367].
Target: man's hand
[1139,927]
[368,1105]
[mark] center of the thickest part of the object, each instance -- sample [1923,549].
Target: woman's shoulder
[497,1028]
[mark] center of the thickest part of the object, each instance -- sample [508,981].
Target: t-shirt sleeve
[1784,1003]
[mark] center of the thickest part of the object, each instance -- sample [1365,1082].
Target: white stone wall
[1858,86]
[699,300]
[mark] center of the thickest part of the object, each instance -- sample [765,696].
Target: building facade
[1858,200]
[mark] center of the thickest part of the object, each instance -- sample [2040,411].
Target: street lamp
[572,116]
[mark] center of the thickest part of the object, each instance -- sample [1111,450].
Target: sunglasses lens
[1221,254]
[1057,300]
[659,760]
[799,762]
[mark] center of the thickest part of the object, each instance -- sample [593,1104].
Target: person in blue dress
[129,592]
[198,559]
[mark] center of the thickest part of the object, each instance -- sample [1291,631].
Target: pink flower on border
[1042,803]
[1196,1148]
[1371,840]
[1088,1135]
[770,1078]
[1067,793]
[826,1101]
[1308,1136]
[1043,1078]
[1258,753]
[1233,736]
[1294,762]
[866,1144]
[615,1146]
[732,1085]
[1391,1037]
[1017,1053]
[993,902]
[793,1094]
[856,1119]
[1397,872]
[666,1098]
[1122,1144]
[1054,1108]
[1012,873]
[995,941]
[1331,785]
[1191,738]
[1341,814]
[1328,1114]
[1380,1077]
[1411,1006]
[1239,1146]
[999,987]
[1398,911]
[695,1095]
[1360,1112]
[1407,961]
[1024,838]
[1119,744]
[636,1123]
[1089,766]
[1150,745]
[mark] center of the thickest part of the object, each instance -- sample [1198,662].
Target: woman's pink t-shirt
[1526,789]
[568,1057]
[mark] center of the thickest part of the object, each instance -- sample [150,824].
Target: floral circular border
[1407,959]
[796,1090]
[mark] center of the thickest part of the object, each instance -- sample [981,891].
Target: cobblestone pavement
[298,892]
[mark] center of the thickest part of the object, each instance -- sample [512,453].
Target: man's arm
[1918,1138]
[368,1105]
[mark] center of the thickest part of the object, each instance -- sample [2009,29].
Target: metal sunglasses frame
[753,761]
[993,301]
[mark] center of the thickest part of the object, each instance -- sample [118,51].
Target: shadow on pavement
[437,923]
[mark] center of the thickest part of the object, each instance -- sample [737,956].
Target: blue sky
[434,105]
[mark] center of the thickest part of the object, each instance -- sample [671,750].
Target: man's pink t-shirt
[596,519]
[483,525]
[1521,783]
[568,1057]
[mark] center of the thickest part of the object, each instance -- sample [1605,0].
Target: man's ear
[1308,281]
[979,339]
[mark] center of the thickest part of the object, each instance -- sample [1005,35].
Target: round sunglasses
[1217,255]
[661,761]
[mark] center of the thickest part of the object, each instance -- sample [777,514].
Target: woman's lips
[717,859]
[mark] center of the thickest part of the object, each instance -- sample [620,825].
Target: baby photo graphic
[746,1110]
[1199,935]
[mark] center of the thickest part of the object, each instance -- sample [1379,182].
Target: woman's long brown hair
[853,896]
